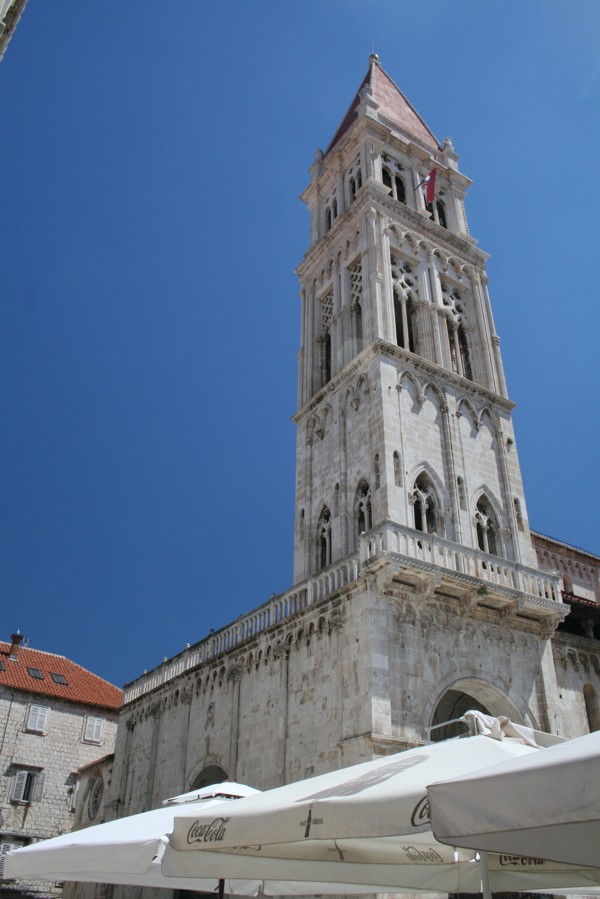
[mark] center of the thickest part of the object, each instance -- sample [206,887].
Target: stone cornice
[381,347]
[441,374]
[358,364]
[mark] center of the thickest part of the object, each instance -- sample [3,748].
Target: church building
[419,590]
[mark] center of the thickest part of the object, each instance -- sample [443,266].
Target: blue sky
[152,160]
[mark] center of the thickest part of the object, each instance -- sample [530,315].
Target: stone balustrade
[388,539]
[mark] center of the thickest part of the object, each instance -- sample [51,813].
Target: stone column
[154,713]
[282,652]
[234,675]
[122,797]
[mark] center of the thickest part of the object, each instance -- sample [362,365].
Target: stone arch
[432,387]
[408,376]
[427,498]
[362,386]
[489,418]
[456,265]
[466,406]
[212,772]
[460,693]
[427,468]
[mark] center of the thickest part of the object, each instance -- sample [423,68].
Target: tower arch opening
[464,696]
[212,774]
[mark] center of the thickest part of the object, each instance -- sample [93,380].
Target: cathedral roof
[393,107]
[47,674]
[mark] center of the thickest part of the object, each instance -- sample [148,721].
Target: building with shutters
[55,718]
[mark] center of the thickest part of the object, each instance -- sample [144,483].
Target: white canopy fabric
[546,805]
[366,824]
[124,851]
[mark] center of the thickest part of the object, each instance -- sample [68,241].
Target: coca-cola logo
[421,854]
[520,861]
[213,832]
[421,814]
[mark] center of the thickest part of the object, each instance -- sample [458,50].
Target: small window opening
[324,539]
[363,509]
[486,527]
[58,678]
[462,498]
[397,469]
[425,507]
[518,514]
[36,673]
[377,471]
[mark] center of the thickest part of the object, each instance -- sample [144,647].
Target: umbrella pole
[486,885]
[221,888]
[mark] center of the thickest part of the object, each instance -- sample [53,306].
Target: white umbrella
[546,805]
[124,851]
[128,851]
[367,824]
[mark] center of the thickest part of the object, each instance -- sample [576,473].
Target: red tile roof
[82,686]
[393,106]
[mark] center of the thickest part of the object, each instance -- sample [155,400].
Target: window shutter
[37,718]
[37,787]
[93,729]
[20,786]
[4,848]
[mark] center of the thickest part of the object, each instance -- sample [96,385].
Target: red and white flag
[430,186]
[428,183]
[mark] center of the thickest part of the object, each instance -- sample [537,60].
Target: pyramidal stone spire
[380,98]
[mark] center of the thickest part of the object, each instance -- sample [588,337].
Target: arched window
[487,528]
[460,361]
[394,183]
[405,288]
[331,212]
[518,514]
[425,507]
[437,211]
[363,514]
[354,181]
[325,358]
[324,539]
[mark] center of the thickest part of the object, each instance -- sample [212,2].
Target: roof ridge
[402,114]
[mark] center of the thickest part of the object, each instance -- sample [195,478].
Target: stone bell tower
[403,411]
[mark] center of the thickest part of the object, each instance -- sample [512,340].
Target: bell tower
[404,430]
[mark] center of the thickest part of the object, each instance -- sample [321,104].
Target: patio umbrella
[366,824]
[128,852]
[546,805]
[125,851]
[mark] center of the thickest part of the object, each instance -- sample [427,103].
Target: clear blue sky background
[152,155]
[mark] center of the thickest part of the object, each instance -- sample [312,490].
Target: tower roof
[393,107]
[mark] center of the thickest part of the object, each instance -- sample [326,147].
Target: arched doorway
[214,774]
[463,696]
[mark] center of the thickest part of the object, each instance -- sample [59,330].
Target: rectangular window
[36,672]
[37,718]
[27,785]
[58,678]
[92,732]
